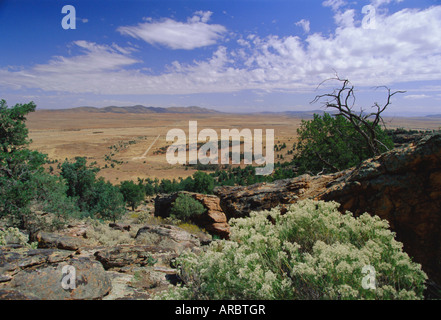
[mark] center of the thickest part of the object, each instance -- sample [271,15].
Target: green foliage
[106,202]
[203,183]
[51,198]
[133,193]
[200,182]
[185,207]
[80,179]
[227,176]
[18,165]
[331,143]
[310,252]
[95,197]
[13,131]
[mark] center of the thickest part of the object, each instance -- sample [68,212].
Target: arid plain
[127,146]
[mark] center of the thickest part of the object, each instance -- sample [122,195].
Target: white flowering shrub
[12,235]
[310,252]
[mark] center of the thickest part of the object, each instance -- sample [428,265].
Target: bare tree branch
[343,101]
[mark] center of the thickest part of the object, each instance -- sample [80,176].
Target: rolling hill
[139,109]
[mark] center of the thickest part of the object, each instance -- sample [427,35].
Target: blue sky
[229,55]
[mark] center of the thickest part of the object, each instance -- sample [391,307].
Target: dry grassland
[136,139]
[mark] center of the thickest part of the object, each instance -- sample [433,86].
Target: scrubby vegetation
[310,252]
[13,236]
[325,144]
[185,207]
[23,181]
[133,193]
[331,143]
[25,187]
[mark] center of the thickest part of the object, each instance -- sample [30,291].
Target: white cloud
[378,3]
[79,73]
[345,19]
[416,96]
[195,33]
[334,4]
[404,47]
[304,24]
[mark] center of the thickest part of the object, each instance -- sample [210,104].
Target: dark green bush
[331,143]
[133,193]
[185,207]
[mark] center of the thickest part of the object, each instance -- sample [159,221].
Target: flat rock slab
[10,294]
[56,241]
[122,256]
[12,262]
[45,282]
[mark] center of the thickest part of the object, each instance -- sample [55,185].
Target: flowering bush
[13,235]
[310,252]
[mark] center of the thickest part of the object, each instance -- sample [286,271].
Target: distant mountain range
[139,109]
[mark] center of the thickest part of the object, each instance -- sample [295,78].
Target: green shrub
[80,179]
[107,202]
[133,193]
[310,252]
[185,207]
[331,143]
[95,197]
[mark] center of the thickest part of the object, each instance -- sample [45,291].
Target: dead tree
[365,123]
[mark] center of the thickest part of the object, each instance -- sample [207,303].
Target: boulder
[239,201]
[163,204]
[10,294]
[402,186]
[213,220]
[38,274]
[12,262]
[45,282]
[57,241]
[168,237]
[75,230]
[119,226]
[123,257]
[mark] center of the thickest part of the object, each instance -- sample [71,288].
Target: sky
[227,55]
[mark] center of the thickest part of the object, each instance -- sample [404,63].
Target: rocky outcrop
[91,281]
[238,202]
[37,275]
[134,270]
[12,262]
[168,236]
[120,227]
[56,241]
[123,257]
[402,186]
[213,220]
